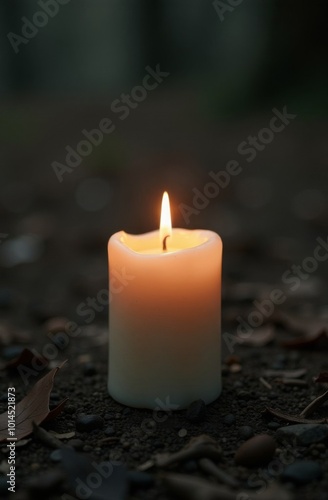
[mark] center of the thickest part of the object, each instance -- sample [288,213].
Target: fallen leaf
[78,469]
[27,358]
[260,337]
[311,332]
[285,373]
[57,410]
[34,407]
[293,418]
[319,341]
[315,404]
[299,325]
[322,378]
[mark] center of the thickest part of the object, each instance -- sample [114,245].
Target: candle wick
[164,243]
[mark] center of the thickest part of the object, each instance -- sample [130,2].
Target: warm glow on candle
[165,228]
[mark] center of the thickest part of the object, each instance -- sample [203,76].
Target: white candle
[164,328]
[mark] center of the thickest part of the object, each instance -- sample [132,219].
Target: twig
[265,383]
[294,418]
[291,381]
[210,468]
[316,403]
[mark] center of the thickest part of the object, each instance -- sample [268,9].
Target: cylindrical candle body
[165,314]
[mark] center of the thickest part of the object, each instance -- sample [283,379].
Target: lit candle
[164,328]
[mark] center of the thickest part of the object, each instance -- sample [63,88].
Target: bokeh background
[225,77]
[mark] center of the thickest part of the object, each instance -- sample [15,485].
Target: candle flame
[165,227]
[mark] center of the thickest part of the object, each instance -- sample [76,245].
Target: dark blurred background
[229,65]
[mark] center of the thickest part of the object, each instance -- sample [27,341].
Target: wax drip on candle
[164,242]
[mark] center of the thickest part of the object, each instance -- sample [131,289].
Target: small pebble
[273,425]
[232,360]
[109,431]
[229,419]
[257,451]
[302,472]
[246,432]
[196,411]
[56,456]
[235,368]
[182,433]
[303,434]
[87,423]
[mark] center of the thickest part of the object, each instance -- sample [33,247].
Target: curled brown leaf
[34,407]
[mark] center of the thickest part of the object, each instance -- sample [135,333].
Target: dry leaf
[27,358]
[315,404]
[260,337]
[319,340]
[322,378]
[310,331]
[33,408]
[293,418]
[57,410]
[299,325]
[285,373]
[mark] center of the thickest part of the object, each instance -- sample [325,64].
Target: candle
[164,326]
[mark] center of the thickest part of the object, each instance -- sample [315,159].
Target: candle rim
[209,237]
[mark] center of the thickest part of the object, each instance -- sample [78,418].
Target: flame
[165,227]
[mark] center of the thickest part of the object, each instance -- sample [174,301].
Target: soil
[133,436]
